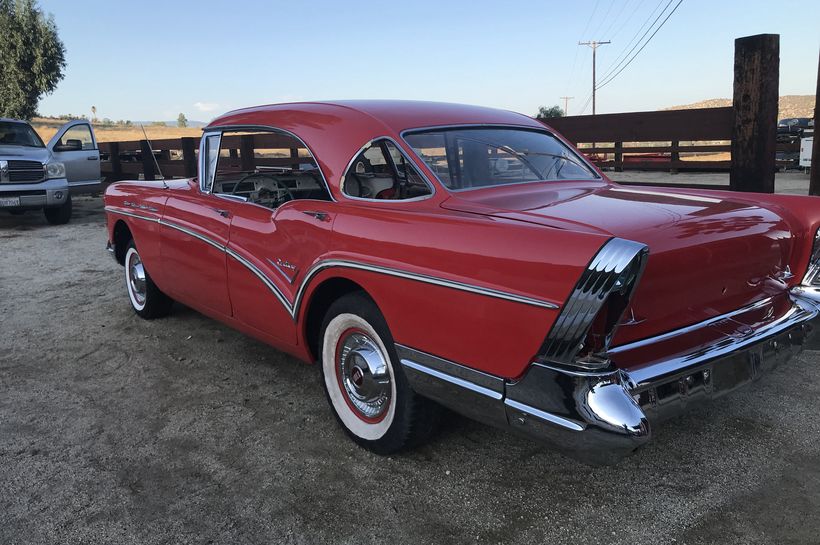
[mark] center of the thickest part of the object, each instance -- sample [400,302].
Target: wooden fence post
[114,157]
[814,181]
[189,156]
[619,156]
[147,160]
[754,131]
[246,153]
[674,156]
[294,154]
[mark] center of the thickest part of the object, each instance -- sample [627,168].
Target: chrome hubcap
[136,278]
[364,374]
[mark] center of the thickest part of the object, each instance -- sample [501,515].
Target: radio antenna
[154,157]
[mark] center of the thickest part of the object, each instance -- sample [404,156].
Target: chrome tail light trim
[615,270]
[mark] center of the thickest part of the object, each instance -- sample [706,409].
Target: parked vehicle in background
[37,176]
[424,252]
[791,129]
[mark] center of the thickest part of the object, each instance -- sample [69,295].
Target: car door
[75,146]
[270,253]
[194,232]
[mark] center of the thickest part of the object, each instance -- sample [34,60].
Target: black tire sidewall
[398,434]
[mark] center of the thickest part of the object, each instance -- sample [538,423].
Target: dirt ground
[117,430]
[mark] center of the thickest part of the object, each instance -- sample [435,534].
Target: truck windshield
[468,158]
[19,134]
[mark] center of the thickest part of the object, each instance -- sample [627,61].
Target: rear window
[466,158]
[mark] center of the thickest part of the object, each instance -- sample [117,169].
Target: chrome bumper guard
[601,417]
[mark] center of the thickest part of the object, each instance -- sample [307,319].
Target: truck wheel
[61,214]
[364,381]
[146,298]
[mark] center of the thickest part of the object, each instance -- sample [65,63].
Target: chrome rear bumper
[601,417]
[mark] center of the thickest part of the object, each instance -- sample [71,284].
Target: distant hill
[790,105]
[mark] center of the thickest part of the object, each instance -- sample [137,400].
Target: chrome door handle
[223,213]
[92,158]
[321,216]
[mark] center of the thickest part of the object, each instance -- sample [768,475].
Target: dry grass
[46,128]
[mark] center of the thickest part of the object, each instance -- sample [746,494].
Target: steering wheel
[281,194]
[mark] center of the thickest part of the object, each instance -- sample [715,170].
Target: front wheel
[364,381]
[146,298]
[61,214]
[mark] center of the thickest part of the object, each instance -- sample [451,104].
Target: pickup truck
[36,176]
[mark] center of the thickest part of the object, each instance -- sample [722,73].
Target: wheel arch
[121,235]
[320,299]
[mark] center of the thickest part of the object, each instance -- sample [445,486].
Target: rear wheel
[61,214]
[364,381]
[146,298]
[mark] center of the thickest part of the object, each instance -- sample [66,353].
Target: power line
[615,19]
[629,18]
[575,57]
[643,46]
[626,51]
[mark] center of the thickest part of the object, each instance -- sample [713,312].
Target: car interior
[381,171]
[251,168]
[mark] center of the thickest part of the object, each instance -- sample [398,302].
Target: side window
[381,171]
[77,138]
[266,168]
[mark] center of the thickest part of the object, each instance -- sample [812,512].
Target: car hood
[24,153]
[707,255]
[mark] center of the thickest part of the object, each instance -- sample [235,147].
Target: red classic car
[434,254]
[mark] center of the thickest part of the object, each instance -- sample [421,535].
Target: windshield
[18,134]
[466,158]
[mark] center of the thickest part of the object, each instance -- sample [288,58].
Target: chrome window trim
[222,129]
[409,160]
[203,158]
[294,307]
[542,129]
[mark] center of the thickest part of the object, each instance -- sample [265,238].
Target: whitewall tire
[365,385]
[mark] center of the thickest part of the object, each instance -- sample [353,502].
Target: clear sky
[153,59]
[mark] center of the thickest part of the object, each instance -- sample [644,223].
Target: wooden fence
[178,157]
[673,140]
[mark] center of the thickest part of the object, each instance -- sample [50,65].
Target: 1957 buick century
[434,254]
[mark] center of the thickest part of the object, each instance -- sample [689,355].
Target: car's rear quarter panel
[487,333]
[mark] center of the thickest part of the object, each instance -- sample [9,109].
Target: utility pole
[566,104]
[594,45]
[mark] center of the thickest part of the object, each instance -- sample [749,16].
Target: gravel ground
[118,430]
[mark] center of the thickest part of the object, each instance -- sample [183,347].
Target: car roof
[397,115]
[9,120]
[335,132]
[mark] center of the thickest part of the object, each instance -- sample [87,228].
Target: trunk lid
[707,255]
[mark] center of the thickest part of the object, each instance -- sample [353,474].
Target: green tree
[182,121]
[32,57]
[552,111]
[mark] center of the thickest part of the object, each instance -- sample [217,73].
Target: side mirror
[70,145]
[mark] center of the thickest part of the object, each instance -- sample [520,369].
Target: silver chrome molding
[601,416]
[811,276]
[613,272]
[688,329]
[294,307]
